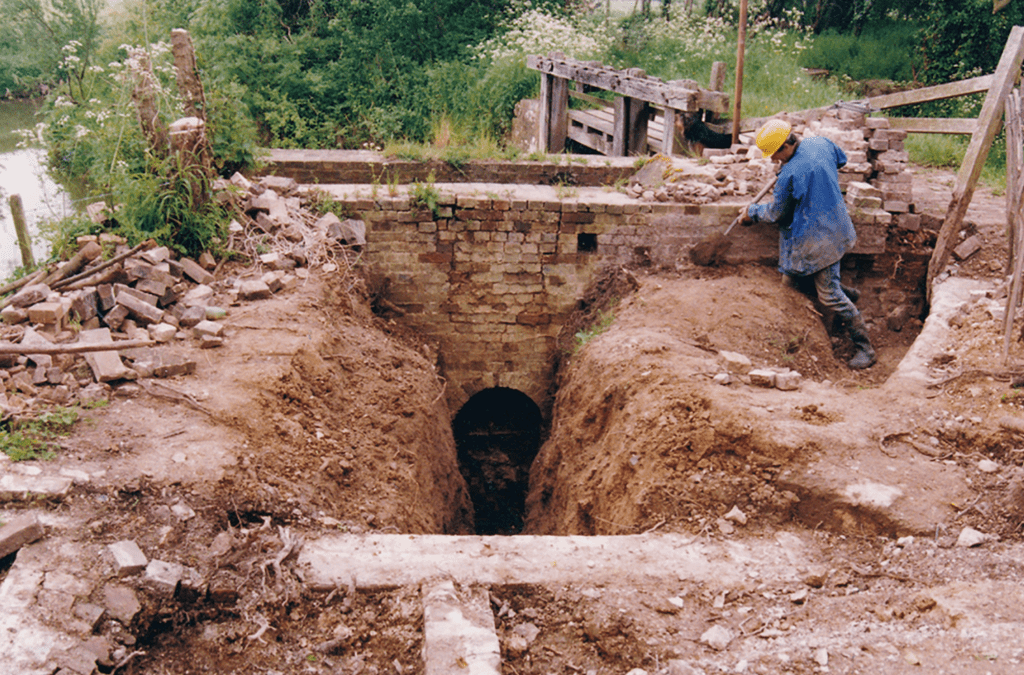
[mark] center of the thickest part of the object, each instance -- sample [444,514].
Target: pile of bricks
[143,297]
[876,158]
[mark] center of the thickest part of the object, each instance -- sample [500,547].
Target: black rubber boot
[852,293]
[865,356]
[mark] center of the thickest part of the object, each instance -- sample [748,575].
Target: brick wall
[493,278]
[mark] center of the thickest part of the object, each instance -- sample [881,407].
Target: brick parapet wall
[362,167]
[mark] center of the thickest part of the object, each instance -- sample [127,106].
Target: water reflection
[23,172]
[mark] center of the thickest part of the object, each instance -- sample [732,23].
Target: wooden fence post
[1014,217]
[1006,75]
[21,229]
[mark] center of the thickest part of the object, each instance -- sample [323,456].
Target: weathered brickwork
[493,278]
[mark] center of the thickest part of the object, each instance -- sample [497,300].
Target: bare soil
[318,416]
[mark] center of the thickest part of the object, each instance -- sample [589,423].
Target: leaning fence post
[21,228]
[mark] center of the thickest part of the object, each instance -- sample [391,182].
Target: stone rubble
[876,178]
[154,295]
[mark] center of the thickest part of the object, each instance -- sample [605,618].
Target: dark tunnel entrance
[497,434]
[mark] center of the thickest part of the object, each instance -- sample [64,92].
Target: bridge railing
[623,129]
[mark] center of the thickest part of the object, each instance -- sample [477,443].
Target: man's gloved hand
[745,219]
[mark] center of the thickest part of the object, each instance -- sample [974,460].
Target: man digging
[815,230]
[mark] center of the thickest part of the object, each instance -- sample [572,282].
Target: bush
[880,52]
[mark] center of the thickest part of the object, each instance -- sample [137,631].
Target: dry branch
[76,348]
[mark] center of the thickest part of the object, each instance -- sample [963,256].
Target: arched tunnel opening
[497,435]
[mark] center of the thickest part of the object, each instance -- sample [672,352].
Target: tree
[59,37]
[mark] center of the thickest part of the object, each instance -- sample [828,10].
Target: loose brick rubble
[155,295]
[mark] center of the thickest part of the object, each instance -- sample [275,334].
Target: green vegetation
[605,319]
[36,438]
[430,79]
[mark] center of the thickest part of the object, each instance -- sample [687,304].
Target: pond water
[23,172]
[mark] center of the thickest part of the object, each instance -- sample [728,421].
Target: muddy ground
[319,417]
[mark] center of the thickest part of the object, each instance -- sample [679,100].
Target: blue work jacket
[815,229]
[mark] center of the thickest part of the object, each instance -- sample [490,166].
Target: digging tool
[710,251]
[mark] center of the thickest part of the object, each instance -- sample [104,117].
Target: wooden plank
[544,113]
[668,140]
[935,125]
[645,88]
[559,110]
[591,139]
[639,115]
[1013,180]
[620,133]
[592,100]
[974,85]
[586,118]
[1005,77]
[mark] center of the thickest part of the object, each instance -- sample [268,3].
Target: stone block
[198,297]
[123,289]
[253,290]
[115,318]
[142,311]
[85,305]
[862,189]
[121,603]
[157,255]
[210,341]
[762,378]
[128,557]
[909,221]
[896,206]
[14,487]
[162,332]
[106,365]
[207,261]
[89,614]
[47,313]
[151,287]
[191,269]
[13,315]
[191,316]
[105,297]
[788,381]
[29,295]
[968,247]
[273,280]
[735,363]
[163,578]
[210,328]
[18,532]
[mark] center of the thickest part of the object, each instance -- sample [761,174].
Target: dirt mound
[355,430]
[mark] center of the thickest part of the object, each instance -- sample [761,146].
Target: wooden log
[189,86]
[144,98]
[21,229]
[1014,138]
[76,348]
[989,121]
[24,281]
[149,243]
[89,252]
[741,45]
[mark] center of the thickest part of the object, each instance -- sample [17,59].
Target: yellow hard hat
[772,135]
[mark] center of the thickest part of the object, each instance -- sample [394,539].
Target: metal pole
[24,242]
[741,46]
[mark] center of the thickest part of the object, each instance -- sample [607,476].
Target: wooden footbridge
[640,119]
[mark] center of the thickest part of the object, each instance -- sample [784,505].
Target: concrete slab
[458,631]
[387,561]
